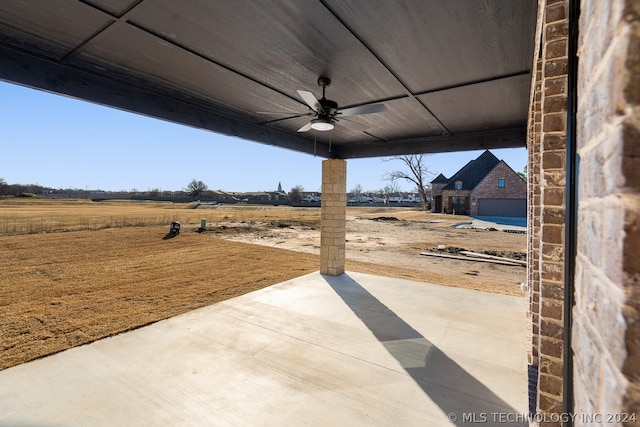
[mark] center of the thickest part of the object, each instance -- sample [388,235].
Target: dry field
[76,271]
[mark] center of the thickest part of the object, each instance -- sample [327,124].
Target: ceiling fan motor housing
[330,107]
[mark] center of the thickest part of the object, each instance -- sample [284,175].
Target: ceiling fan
[326,112]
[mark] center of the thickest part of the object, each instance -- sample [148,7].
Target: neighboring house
[404,198]
[311,197]
[436,193]
[485,186]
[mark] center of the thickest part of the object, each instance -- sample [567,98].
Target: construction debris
[499,258]
[504,261]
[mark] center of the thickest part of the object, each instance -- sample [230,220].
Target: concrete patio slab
[349,350]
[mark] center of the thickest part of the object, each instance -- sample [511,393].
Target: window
[501,183]
[440,186]
[459,204]
[458,185]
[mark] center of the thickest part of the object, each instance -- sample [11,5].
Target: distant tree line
[19,189]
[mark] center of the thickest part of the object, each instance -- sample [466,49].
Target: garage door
[502,207]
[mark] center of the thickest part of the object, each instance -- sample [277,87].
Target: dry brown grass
[60,290]
[33,216]
[76,271]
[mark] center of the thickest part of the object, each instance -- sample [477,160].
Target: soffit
[454,75]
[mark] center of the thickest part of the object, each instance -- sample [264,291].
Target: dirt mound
[384,218]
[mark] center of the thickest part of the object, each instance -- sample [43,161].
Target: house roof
[454,75]
[440,179]
[474,172]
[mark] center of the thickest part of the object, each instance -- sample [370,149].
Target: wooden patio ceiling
[454,75]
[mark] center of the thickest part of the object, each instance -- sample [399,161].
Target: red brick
[553,330]
[554,196]
[555,86]
[631,137]
[555,104]
[550,405]
[554,122]
[631,170]
[553,159]
[552,252]
[555,67]
[553,216]
[550,366]
[553,234]
[632,89]
[556,49]
[553,272]
[551,385]
[631,11]
[631,260]
[552,310]
[550,346]
[553,292]
[556,30]
[632,339]
[555,12]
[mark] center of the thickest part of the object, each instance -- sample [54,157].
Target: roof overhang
[453,75]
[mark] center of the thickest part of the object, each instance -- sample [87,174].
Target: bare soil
[394,239]
[78,280]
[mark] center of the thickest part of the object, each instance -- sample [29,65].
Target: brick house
[485,186]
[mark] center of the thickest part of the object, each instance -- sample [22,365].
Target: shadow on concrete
[464,399]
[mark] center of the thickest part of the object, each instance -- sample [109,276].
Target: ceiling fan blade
[305,128]
[290,114]
[311,100]
[363,109]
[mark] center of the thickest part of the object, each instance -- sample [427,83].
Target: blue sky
[60,142]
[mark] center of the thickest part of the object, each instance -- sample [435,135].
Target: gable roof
[440,179]
[473,172]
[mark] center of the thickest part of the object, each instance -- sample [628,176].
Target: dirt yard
[391,240]
[83,271]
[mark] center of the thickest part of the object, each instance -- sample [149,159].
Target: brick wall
[533,233]
[606,326]
[547,144]
[515,187]
[534,215]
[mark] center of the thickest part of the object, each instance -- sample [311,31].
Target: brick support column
[533,234]
[333,216]
[547,171]
[534,215]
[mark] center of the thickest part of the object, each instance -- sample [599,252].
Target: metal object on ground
[175,228]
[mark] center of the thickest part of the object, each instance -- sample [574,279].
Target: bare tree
[523,174]
[389,189]
[196,188]
[357,191]
[295,195]
[417,173]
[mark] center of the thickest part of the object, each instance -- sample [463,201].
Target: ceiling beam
[24,68]
[378,58]
[508,138]
[110,27]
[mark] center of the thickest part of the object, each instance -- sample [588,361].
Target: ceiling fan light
[321,125]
